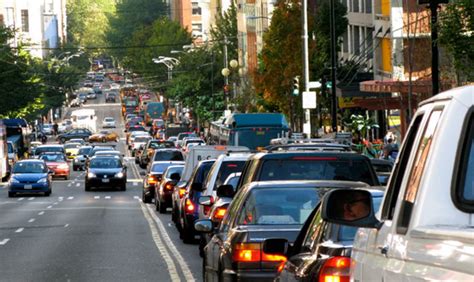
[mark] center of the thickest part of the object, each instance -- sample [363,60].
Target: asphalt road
[102,235]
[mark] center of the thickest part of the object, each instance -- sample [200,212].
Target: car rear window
[382,167]
[40,150]
[159,144]
[53,158]
[278,206]
[168,156]
[203,172]
[226,169]
[160,167]
[323,168]
[172,170]
[84,151]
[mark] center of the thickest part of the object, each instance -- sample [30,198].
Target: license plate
[260,132]
[28,186]
[105,180]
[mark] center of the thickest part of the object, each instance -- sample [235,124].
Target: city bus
[254,130]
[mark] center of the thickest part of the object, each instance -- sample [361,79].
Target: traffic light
[296,85]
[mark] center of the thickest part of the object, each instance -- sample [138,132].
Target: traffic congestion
[128,191]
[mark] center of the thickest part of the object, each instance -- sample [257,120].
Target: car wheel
[162,207]
[87,188]
[137,161]
[47,194]
[11,194]
[173,214]
[66,177]
[123,187]
[187,235]
[146,199]
[62,140]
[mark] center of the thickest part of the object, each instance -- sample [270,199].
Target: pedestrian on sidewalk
[55,128]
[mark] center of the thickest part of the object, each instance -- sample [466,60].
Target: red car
[57,163]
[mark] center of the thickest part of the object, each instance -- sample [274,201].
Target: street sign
[309,100]
[314,84]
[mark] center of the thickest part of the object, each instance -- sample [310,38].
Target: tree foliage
[456,31]
[225,32]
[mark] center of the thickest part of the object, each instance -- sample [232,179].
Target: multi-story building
[195,16]
[41,24]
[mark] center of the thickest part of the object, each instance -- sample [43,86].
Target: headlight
[91,175]
[13,180]
[43,180]
[119,175]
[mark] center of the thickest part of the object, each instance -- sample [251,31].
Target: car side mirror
[205,200]
[276,246]
[197,187]
[352,207]
[225,191]
[204,226]
[175,176]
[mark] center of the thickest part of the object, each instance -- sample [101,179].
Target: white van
[84,118]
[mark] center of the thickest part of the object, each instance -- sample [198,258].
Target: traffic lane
[85,239]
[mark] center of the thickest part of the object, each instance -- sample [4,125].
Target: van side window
[399,171]
[464,186]
[422,154]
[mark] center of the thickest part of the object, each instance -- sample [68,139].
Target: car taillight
[182,191]
[189,206]
[336,269]
[151,180]
[252,252]
[218,214]
[169,186]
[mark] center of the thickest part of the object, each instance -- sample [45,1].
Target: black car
[308,165]
[322,250]
[153,178]
[186,200]
[164,190]
[82,133]
[106,171]
[259,210]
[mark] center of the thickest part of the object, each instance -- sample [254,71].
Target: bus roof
[256,120]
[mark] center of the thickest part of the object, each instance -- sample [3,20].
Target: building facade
[41,24]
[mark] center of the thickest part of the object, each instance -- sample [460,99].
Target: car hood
[29,176]
[258,233]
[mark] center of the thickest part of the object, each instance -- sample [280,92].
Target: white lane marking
[107,197]
[21,199]
[66,225]
[161,247]
[136,197]
[135,183]
[78,184]
[188,276]
[4,241]
[31,220]
[60,199]
[134,180]
[70,198]
[55,203]
[96,197]
[19,230]
[31,199]
[41,213]
[48,207]
[69,185]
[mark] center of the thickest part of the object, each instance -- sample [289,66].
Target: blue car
[30,176]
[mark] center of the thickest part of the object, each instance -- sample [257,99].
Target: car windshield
[168,156]
[40,150]
[277,206]
[137,128]
[53,158]
[93,152]
[160,167]
[109,119]
[84,151]
[71,146]
[105,163]
[29,167]
[159,144]
[141,139]
[316,169]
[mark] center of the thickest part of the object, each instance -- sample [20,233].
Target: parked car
[106,171]
[164,191]
[260,210]
[108,122]
[57,163]
[321,251]
[153,178]
[31,177]
[104,136]
[82,133]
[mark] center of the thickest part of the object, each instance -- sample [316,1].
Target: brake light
[247,252]
[182,191]
[151,180]
[315,158]
[219,214]
[169,186]
[189,206]
[336,269]
[231,165]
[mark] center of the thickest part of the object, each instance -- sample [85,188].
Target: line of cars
[234,203]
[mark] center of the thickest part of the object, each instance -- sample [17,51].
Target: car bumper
[108,182]
[60,172]
[29,188]
[249,275]
[149,191]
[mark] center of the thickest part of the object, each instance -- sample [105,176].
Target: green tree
[225,32]
[456,29]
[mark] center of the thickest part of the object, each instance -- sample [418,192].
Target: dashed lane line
[107,197]
[19,230]
[21,199]
[48,207]
[31,220]
[70,198]
[41,213]
[4,241]
[161,247]
[182,263]
[78,184]
[31,199]
[96,197]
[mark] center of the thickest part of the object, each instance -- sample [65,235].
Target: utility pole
[307,112]
[333,68]
[434,47]
[226,78]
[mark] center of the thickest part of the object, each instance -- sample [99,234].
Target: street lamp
[169,62]
[226,72]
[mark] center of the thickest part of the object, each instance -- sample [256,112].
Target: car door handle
[383,250]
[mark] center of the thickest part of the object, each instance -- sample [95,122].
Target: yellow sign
[346,103]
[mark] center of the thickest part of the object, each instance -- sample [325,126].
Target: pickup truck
[424,229]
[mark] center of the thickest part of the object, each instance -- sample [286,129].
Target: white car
[108,122]
[91,95]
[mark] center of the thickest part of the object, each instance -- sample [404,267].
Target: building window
[25,25]
[345,43]
[197,29]
[196,9]
[368,6]
[370,42]
[356,39]
[10,21]
[355,7]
